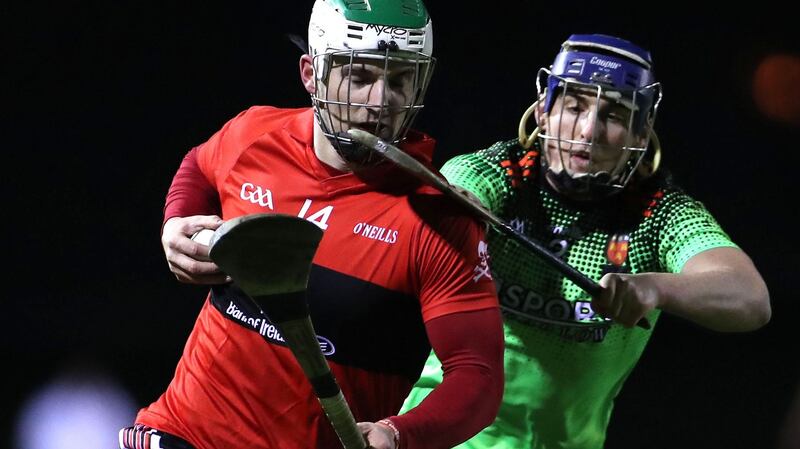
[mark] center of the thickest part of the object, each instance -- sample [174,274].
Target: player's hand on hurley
[626,298]
[188,260]
[378,436]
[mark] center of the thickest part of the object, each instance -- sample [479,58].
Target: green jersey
[565,364]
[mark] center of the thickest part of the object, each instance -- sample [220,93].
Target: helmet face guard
[601,100]
[371,70]
[386,108]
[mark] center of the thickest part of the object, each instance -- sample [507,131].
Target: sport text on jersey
[570,320]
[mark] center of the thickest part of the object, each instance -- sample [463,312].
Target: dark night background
[101,100]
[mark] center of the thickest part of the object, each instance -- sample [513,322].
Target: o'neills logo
[375,232]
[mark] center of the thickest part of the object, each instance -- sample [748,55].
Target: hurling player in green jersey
[587,183]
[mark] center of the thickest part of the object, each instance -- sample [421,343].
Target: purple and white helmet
[615,70]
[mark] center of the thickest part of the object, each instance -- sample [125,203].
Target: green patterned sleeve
[689,230]
[481,174]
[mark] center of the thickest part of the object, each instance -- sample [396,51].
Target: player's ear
[307,73]
[652,158]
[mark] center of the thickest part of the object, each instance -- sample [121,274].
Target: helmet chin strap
[601,177]
[589,187]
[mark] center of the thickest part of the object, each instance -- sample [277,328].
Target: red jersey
[393,256]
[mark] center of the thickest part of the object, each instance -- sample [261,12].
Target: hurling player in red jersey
[399,269]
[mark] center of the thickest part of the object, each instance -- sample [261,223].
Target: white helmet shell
[330,30]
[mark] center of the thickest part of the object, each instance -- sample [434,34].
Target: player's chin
[578,170]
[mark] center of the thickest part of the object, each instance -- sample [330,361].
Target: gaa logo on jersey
[617,249]
[256,195]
